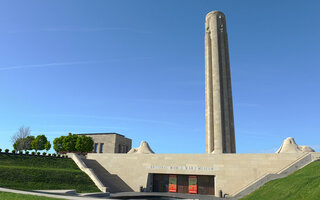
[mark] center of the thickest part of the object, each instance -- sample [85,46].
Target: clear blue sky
[137,68]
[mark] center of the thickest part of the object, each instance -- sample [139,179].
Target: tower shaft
[220,137]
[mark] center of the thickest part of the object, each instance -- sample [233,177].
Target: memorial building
[220,172]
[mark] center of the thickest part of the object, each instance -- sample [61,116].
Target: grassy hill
[42,173]
[303,184]
[14,196]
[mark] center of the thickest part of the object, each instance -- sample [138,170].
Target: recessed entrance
[193,184]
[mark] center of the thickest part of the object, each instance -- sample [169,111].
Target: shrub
[38,153]
[6,150]
[49,154]
[27,152]
[59,155]
[13,151]
[20,152]
[54,155]
[33,153]
[66,156]
[0,150]
[44,153]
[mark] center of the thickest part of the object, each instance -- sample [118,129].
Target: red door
[172,183]
[193,184]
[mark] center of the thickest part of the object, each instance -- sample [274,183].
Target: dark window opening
[101,147]
[95,148]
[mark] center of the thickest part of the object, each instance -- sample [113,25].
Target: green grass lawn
[42,173]
[13,196]
[303,184]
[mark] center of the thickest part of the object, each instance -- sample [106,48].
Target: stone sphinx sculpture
[290,146]
[143,149]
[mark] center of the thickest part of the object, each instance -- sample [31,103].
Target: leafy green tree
[84,144]
[58,144]
[47,146]
[39,143]
[73,143]
[28,143]
[69,142]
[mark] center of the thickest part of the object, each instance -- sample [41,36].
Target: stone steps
[113,182]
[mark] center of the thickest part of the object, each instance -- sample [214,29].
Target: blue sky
[137,68]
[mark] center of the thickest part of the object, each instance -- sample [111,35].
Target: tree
[39,143]
[73,143]
[18,145]
[84,144]
[18,139]
[28,143]
[47,146]
[58,144]
[23,144]
[69,142]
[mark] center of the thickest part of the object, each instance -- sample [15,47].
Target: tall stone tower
[219,110]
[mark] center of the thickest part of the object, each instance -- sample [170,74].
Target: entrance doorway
[160,183]
[206,185]
[181,183]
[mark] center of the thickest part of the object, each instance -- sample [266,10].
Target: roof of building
[100,134]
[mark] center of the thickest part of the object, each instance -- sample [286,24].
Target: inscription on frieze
[183,168]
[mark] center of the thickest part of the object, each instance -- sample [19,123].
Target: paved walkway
[48,195]
[120,195]
[145,195]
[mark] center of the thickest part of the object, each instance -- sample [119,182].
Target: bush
[0,150]
[49,154]
[44,153]
[13,151]
[59,155]
[38,153]
[27,152]
[20,152]
[6,150]
[54,155]
[33,153]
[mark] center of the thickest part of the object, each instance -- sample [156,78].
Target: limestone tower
[220,136]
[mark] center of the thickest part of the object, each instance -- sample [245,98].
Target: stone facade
[110,142]
[232,172]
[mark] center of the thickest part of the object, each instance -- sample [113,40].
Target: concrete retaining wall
[304,160]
